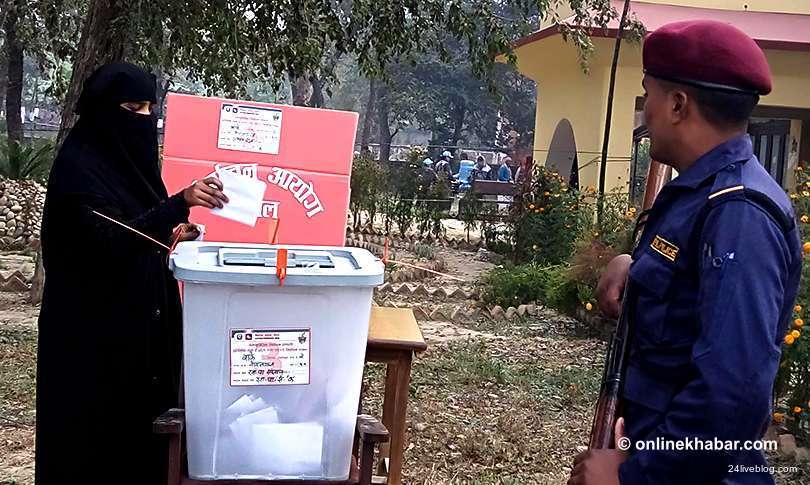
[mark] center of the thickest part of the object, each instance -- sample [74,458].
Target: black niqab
[109,328]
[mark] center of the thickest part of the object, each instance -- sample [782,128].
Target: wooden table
[393,337]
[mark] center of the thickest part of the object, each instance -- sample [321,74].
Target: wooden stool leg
[395,412]
[175,459]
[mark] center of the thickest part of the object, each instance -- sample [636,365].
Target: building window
[770,138]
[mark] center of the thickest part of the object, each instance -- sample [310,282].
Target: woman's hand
[205,193]
[185,232]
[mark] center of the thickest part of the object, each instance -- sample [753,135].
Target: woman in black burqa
[110,326]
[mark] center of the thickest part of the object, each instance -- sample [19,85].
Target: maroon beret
[707,54]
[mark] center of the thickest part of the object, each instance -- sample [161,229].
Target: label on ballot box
[246,128]
[270,357]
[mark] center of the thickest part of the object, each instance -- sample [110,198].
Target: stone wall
[21,204]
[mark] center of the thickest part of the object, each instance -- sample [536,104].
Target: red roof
[780,31]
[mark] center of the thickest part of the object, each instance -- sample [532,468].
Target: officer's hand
[611,285]
[206,193]
[597,467]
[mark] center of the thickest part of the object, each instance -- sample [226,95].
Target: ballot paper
[243,427]
[287,449]
[245,195]
[246,404]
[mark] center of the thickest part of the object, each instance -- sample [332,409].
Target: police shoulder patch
[665,248]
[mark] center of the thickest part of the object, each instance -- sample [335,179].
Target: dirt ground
[490,402]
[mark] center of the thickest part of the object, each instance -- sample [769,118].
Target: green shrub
[31,160]
[548,219]
[526,283]
[792,388]
[367,186]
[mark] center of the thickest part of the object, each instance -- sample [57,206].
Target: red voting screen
[304,156]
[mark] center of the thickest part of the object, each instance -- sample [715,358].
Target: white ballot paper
[245,195]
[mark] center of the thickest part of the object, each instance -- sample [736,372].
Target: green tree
[225,43]
[44,30]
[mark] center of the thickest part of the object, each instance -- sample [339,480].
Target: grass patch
[561,388]
[18,370]
[460,365]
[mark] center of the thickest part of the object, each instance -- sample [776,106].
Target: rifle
[608,407]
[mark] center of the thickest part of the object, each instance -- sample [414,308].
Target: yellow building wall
[565,91]
[782,6]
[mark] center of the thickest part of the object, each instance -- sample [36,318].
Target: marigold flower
[798,322]
[779,417]
[797,410]
[806,247]
[789,339]
[797,308]
[588,306]
[531,206]
[796,334]
[793,196]
[805,219]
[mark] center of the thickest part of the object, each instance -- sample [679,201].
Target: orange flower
[798,323]
[796,334]
[546,194]
[779,417]
[542,209]
[805,219]
[793,196]
[588,306]
[789,339]
[531,206]
[797,308]
[797,410]
[806,247]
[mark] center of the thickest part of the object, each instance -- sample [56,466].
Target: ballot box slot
[267,258]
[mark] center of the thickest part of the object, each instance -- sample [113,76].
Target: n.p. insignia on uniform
[665,248]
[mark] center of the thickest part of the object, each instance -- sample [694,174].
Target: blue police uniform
[712,286]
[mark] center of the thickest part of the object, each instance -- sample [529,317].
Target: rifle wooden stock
[608,407]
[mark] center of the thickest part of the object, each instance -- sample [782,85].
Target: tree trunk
[163,85]
[317,100]
[3,76]
[368,117]
[383,113]
[609,113]
[14,60]
[301,90]
[105,38]
[459,113]
[38,281]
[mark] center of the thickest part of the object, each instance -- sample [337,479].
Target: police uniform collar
[737,149]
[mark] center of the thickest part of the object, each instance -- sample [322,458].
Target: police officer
[713,278]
